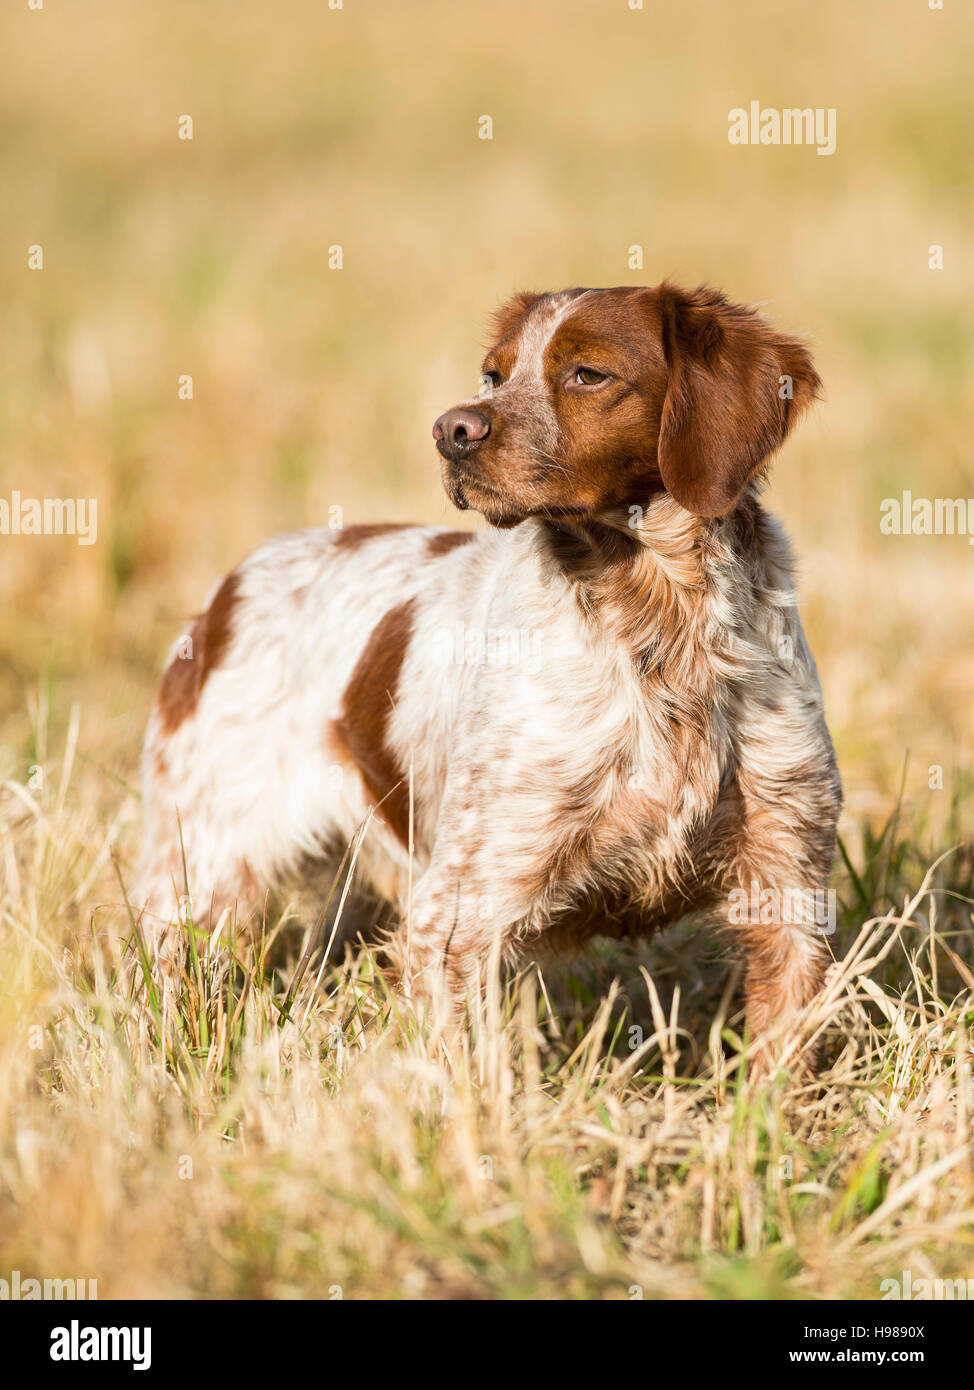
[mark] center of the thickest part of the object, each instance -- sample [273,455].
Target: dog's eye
[488,380]
[588,376]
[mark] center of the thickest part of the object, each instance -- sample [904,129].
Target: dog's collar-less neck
[646,586]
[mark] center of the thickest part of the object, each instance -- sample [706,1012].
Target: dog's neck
[655,578]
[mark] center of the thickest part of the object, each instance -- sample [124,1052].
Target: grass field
[232,1147]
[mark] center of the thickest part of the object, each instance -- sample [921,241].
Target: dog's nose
[458,431]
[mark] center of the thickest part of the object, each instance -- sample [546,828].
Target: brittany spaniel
[594,716]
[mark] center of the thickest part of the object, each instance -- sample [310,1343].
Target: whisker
[556,463]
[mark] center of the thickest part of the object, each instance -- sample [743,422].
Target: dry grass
[594,1136]
[365,1164]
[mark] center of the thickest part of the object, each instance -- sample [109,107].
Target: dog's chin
[467,494]
[503,521]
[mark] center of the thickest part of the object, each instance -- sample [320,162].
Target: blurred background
[315,386]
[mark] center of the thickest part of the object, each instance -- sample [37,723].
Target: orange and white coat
[595,716]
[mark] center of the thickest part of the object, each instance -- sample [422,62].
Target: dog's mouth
[468,492]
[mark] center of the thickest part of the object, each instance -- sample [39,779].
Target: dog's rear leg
[171,902]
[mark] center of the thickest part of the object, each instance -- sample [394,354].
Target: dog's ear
[735,388]
[504,318]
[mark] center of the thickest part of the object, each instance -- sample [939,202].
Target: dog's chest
[562,748]
[664,778]
[628,766]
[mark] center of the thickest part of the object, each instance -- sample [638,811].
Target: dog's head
[592,400]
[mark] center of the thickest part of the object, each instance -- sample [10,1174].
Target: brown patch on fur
[697,394]
[360,732]
[445,541]
[351,537]
[184,678]
[605,451]
[506,317]
[724,413]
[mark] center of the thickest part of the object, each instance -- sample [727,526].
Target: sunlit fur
[656,742]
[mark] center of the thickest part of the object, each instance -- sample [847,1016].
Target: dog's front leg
[777,887]
[460,926]
[785,969]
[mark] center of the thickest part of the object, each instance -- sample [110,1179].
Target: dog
[596,716]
